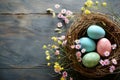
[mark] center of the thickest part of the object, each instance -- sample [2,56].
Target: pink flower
[59,15]
[64,43]
[106,62]
[71,78]
[66,20]
[57,6]
[77,46]
[83,50]
[78,54]
[114,61]
[114,46]
[57,52]
[102,62]
[68,12]
[64,74]
[72,46]
[59,25]
[112,68]
[106,53]
[63,11]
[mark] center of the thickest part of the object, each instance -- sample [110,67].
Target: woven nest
[78,30]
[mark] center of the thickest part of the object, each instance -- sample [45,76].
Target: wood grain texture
[23,34]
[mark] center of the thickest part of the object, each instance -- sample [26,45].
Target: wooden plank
[40,6]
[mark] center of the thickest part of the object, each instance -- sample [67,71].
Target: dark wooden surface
[22,36]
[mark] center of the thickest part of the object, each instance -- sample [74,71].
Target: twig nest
[97,32]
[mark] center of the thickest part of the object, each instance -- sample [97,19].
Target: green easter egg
[91,59]
[95,32]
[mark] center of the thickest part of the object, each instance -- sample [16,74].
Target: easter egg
[103,45]
[87,43]
[95,32]
[91,59]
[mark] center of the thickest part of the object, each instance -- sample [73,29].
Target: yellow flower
[48,64]
[59,42]
[57,67]
[104,4]
[87,11]
[47,53]
[62,78]
[47,57]
[89,3]
[96,2]
[44,46]
[54,46]
[54,38]
[82,8]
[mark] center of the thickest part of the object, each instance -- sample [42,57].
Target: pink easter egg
[103,45]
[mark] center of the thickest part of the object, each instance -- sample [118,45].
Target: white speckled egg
[95,32]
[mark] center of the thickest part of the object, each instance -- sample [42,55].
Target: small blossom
[71,78]
[59,25]
[112,68]
[114,46]
[68,12]
[102,62]
[72,46]
[87,11]
[106,62]
[44,47]
[57,52]
[57,6]
[78,54]
[96,2]
[62,78]
[64,74]
[47,57]
[82,8]
[59,15]
[48,64]
[54,38]
[114,61]
[83,50]
[104,4]
[62,37]
[79,59]
[106,53]
[66,20]
[89,3]
[47,53]
[54,47]
[64,43]
[59,42]
[77,46]
[57,67]
[63,11]
[77,41]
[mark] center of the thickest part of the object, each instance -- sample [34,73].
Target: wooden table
[24,28]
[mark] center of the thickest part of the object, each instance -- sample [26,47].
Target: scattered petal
[106,53]
[114,61]
[114,46]
[57,6]
[83,50]
[72,46]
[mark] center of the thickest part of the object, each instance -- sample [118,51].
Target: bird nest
[79,29]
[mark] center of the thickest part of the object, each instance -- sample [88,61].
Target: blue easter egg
[87,44]
[95,32]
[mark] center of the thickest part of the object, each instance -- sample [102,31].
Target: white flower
[114,46]
[57,6]
[114,61]
[83,50]
[63,11]
[59,24]
[106,53]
